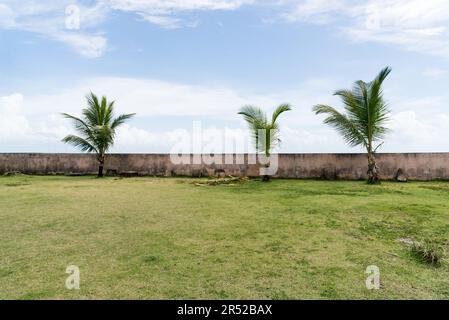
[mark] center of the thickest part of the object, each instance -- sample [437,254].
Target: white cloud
[49,18]
[132,139]
[89,46]
[163,21]
[13,124]
[7,17]
[434,73]
[412,132]
[315,11]
[21,132]
[150,97]
[164,6]
[33,123]
[415,25]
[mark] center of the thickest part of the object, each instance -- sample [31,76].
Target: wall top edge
[167,154]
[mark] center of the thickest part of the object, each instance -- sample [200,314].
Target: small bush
[230,180]
[428,251]
[12,174]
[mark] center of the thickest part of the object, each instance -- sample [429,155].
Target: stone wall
[416,166]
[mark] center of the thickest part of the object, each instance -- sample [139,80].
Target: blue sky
[178,62]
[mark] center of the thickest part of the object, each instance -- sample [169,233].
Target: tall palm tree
[265,132]
[96,128]
[363,124]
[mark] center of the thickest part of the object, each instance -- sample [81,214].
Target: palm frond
[383,74]
[253,114]
[80,143]
[80,125]
[77,121]
[279,110]
[342,124]
[121,120]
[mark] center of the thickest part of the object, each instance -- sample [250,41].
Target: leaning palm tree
[265,132]
[365,118]
[96,128]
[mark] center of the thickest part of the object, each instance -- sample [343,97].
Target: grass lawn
[156,238]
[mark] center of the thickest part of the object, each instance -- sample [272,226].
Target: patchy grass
[428,251]
[150,238]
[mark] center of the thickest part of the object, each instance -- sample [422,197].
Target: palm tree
[265,133]
[96,128]
[363,124]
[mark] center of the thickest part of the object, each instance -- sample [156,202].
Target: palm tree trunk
[100,166]
[100,171]
[266,178]
[373,170]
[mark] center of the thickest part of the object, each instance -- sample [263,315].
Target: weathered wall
[417,166]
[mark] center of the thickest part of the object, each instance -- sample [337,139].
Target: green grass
[151,238]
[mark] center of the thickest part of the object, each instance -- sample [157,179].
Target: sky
[185,64]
